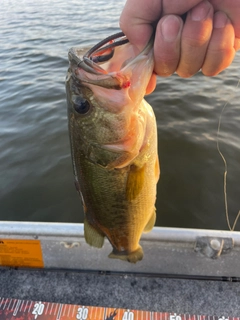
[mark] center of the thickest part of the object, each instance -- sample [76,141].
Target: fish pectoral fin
[151,222]
[132,257]
[125,154]
[135,181]
[92,236]
[122,161]
[157,169]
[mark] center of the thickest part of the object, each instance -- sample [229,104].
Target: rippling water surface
[36,180]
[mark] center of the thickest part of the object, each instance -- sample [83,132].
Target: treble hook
[92,57]
[100,47]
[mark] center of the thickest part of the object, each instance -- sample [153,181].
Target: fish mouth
[87,68]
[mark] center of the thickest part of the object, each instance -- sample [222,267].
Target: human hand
[207,40]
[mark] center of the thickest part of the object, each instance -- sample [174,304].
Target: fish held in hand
[113,139]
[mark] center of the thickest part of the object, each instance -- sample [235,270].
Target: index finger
[139,17]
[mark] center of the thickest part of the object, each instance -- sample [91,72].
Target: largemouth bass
[113,139]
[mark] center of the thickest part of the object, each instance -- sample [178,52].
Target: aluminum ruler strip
[11,309]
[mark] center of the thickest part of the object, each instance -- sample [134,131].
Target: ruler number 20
[82,313]
[38,309]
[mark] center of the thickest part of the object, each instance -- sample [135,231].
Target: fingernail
[201,11]
[220,20]
[170,27]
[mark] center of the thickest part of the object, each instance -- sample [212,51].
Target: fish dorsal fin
[135,181]
[92,236]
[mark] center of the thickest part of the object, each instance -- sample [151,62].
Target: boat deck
[67,270]
[153,293]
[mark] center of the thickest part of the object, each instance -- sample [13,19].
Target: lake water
[36,180]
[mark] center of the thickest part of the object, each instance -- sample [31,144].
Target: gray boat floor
[153,293]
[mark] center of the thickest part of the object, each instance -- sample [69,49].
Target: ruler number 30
[82,313]
[38,309]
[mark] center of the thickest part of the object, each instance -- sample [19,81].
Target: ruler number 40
[128,315]
[82,313]
[38,309]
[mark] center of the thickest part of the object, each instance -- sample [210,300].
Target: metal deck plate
[175,251]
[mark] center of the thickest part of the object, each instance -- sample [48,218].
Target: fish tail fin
[92,236]
[132,257]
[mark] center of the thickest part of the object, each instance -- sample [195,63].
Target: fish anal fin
[92,236]
[151,222]
[132,257]
[135,181]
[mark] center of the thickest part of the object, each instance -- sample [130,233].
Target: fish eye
[82,106]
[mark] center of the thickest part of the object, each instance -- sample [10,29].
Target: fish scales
[113,139]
